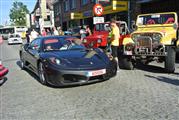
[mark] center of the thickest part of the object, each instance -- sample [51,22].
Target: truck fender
[127,40]
[177,43]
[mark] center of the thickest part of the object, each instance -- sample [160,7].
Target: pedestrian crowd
[31,35]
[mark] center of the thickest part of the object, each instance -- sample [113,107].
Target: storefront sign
[76,16]
[87,14]
[120,5]
[98,20]
[103,0]
[117,6]
[43,9]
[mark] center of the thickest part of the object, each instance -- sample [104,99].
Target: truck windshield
[156,19]
[103,27]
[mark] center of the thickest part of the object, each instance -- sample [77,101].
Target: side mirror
[26,46]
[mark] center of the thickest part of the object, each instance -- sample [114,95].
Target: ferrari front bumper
[58,77]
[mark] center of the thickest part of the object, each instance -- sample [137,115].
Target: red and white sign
[98,9]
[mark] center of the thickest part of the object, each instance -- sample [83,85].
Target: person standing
[55,32]
[48,32]
[88,31]
[115,34]
[27,36]
[60,32]
[34,34]
[44,33]
[82,33]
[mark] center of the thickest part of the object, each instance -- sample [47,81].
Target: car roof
[49,37]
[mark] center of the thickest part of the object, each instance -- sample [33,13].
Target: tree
[18,13]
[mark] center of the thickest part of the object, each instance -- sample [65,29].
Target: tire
[41,74]
[125,63]
[1,81]
[170,60]
[22,63]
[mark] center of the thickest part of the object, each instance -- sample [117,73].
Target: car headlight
[157,37]
[55,61]
[99,41]
[84,40]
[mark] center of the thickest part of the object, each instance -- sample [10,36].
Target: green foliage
[18,13]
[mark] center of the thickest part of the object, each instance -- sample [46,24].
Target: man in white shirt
[55,32]
[34,34]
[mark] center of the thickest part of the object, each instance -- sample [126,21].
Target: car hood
[75,59]
[98,35]
[162,30]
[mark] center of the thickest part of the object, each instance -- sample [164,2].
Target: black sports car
[60,61]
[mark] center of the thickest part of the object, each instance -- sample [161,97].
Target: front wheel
[22,63]
[42,75]
[170,60]
[126,63]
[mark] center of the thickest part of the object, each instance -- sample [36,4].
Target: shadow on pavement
[165,79]
[150,68]
[29,72]
[3,81]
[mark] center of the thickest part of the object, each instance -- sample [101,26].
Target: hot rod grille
[144,42]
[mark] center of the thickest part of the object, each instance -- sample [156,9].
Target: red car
[3,70]
[99,38]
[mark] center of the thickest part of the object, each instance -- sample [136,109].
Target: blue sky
[6,5]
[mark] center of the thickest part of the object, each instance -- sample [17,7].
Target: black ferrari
[61,61]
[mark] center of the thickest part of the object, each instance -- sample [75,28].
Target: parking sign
[98,9]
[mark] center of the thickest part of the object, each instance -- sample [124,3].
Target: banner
[43,9]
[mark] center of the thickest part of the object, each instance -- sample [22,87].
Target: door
[33,53]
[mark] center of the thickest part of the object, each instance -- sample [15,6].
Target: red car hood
[98,35]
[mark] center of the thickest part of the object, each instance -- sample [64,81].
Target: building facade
[159,6]
[71,13]
[42,16]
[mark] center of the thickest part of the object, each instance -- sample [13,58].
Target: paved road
[146,93]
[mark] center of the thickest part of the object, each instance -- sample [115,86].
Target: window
[66,5]
[84,2]
[72,4]
[35,44]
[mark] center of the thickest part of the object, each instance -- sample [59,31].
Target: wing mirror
[26,46]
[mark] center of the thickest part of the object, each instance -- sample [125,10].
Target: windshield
[58,44]
[156,19]
[103,27]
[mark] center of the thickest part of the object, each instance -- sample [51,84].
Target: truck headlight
[84,40]
[129,46]
[99,41]
[157,37]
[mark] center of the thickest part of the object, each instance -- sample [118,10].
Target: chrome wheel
[22,64]
[42,74]
[1,81]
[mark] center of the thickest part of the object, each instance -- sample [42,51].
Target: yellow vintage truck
[155,39]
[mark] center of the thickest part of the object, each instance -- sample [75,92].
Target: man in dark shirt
[27,36]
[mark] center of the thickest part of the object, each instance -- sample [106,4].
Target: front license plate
[128,52]
[96,73]
[15,40]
